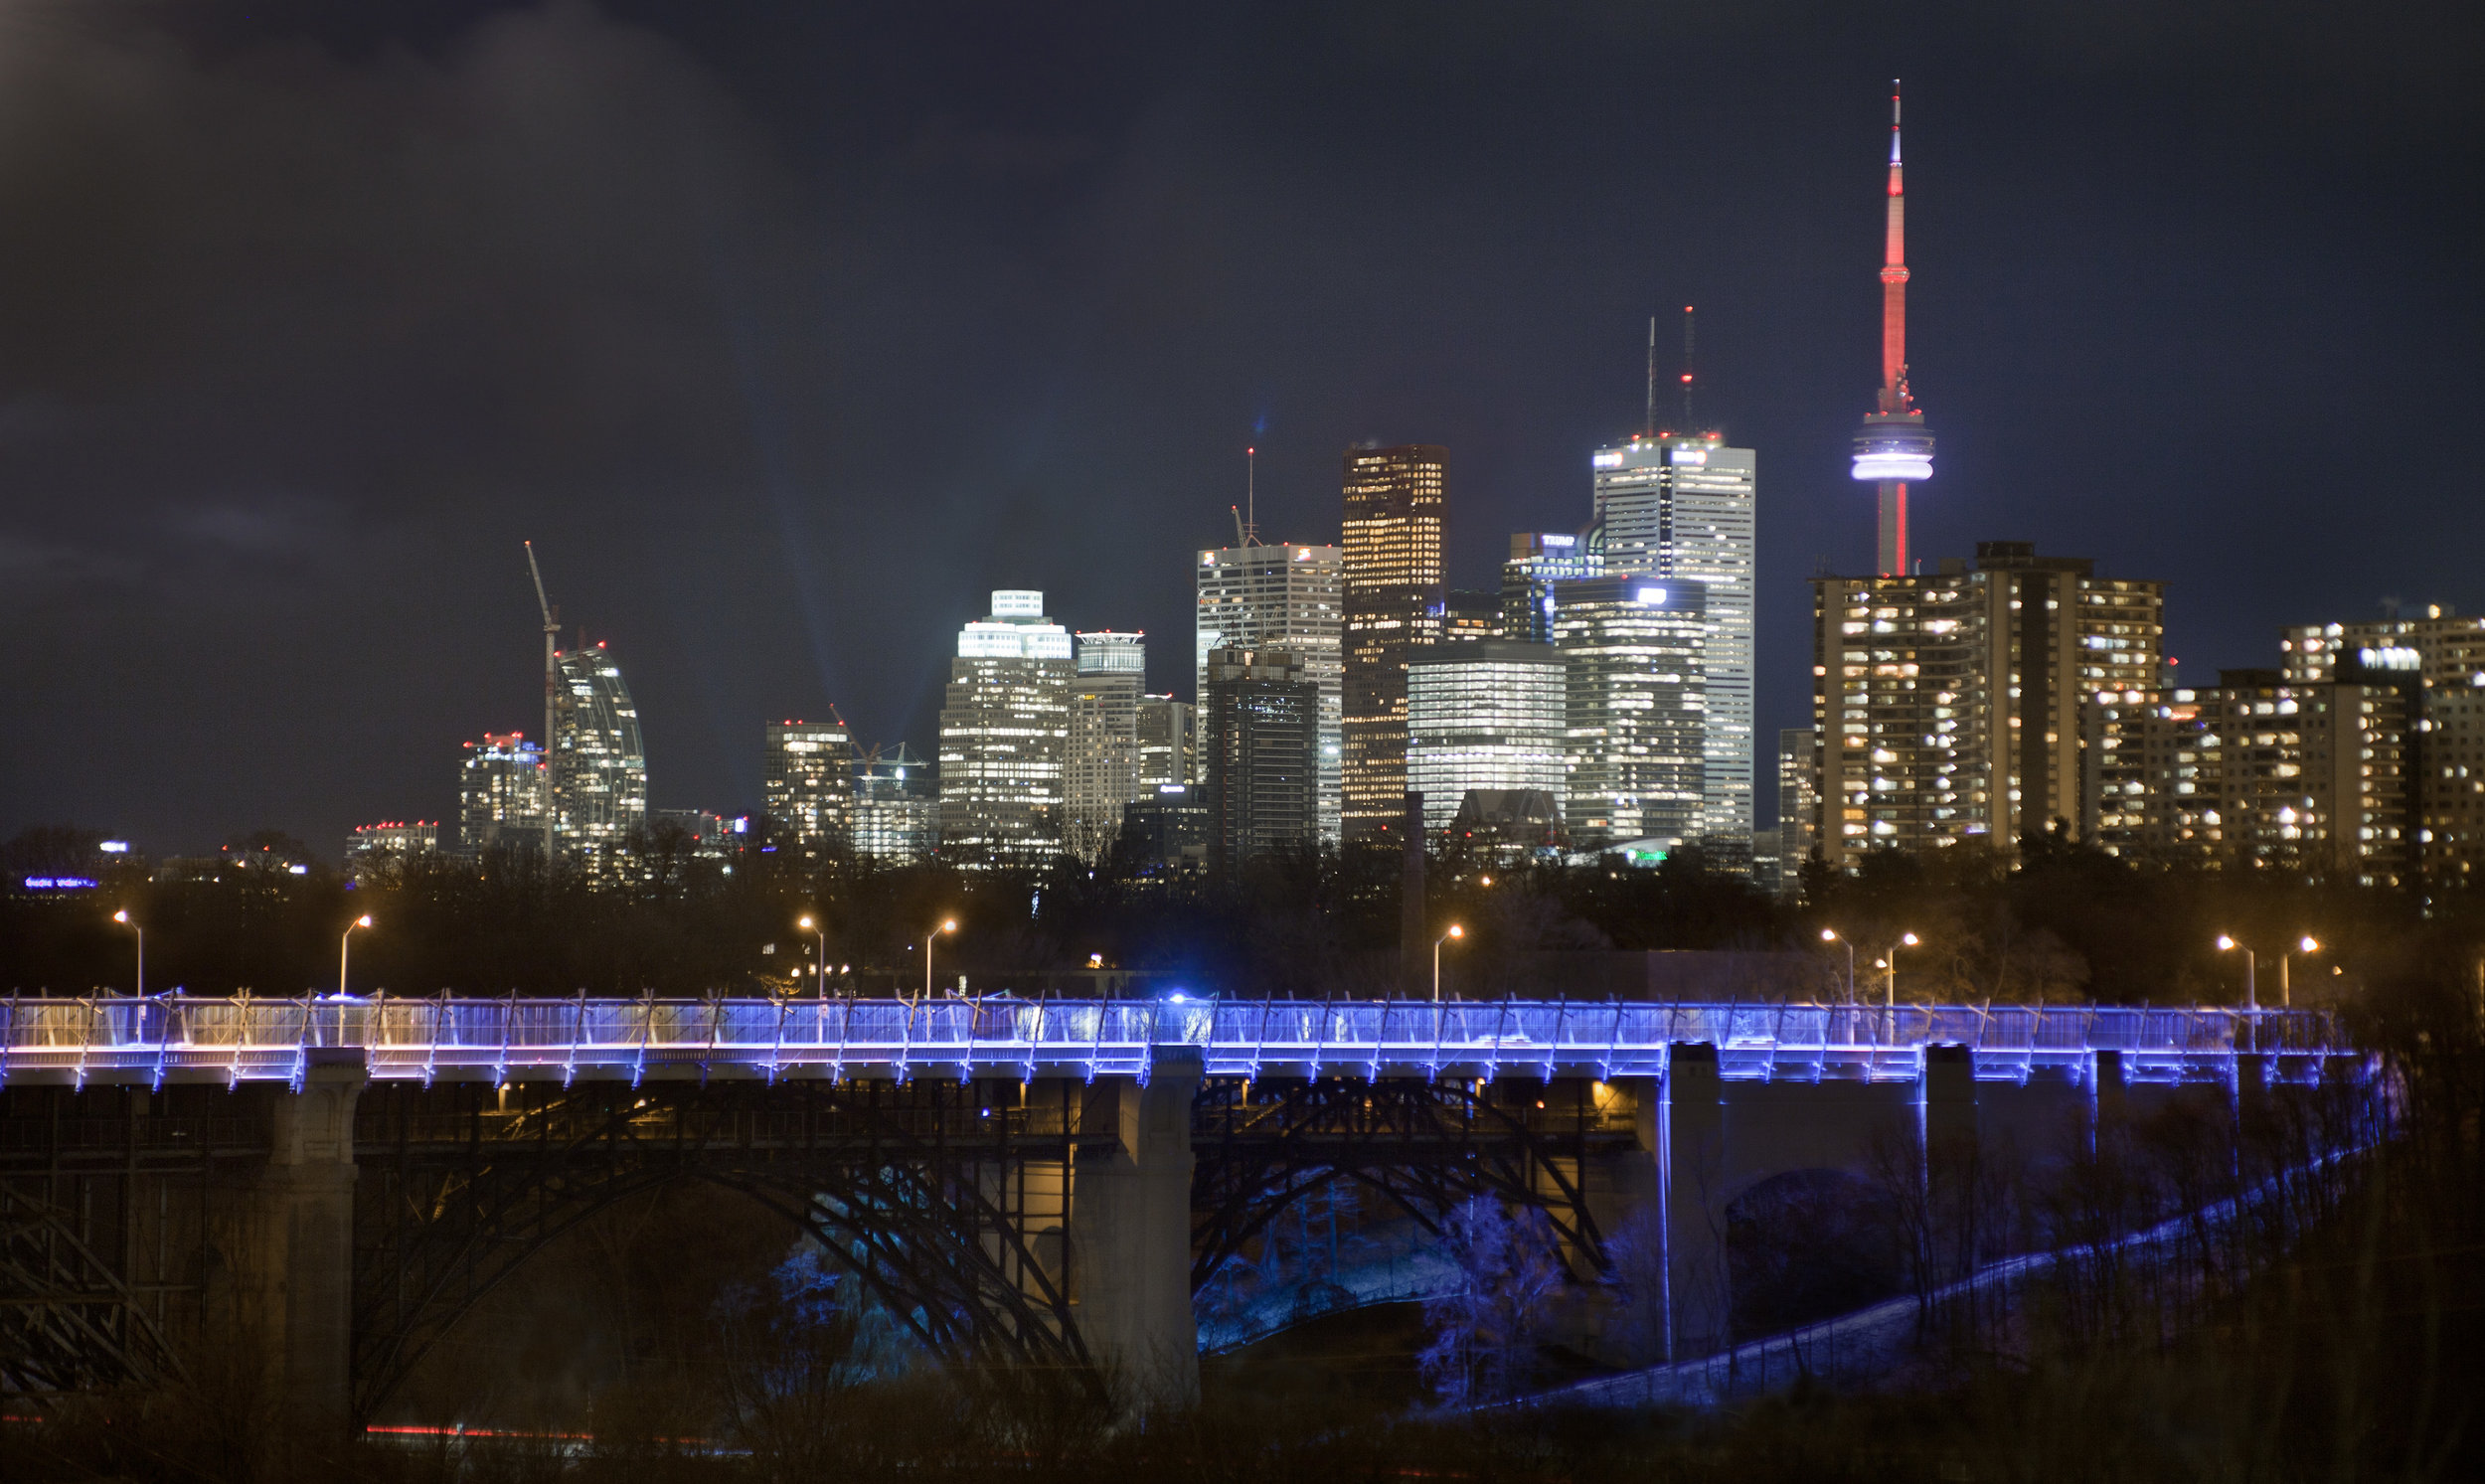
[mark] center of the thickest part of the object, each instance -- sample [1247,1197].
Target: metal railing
[247,1039]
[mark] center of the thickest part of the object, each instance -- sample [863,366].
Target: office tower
[1395,506]
[1633,710]
[2266,769]
[599,766]
[1894,446]
[1681,507]
[1798,803]
[1167,829]
[897,808]
[1260,725]
[504,793]
[1167,741]
[1470,613]
[1003,736]
[809,786]
[1101,772]
[394,841]
[1538,560]
[1483,714]
[1291,597]
[1975,703]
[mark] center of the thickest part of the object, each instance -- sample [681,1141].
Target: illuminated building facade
[1634,710]
[1470,613]
[1280,596]
[2436,658]
[598,763]
[897,808]
[1168,734]
[1101,774]
[1167,830]
[809,786]
[373,844]
[1395,503]
[1260,728]
[503,789]
[1894,446]
[1538,560]
[1798,803]
[1977,702]
[1005,736]
[1484,714]
[1681,507]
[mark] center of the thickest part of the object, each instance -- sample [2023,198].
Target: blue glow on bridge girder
[247,1039]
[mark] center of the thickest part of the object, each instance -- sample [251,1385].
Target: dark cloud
[785,331]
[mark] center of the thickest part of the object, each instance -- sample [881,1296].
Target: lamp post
[2305,944]
[1454,932]
[345,942]
[807,926]
[2226,945]
[950,925]
[123,918]
[1908,939]
[1830,935]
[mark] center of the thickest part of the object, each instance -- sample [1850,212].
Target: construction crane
[552,696]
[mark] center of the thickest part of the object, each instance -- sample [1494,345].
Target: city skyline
[2134,238]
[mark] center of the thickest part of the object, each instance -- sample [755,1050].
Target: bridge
[1041,1181]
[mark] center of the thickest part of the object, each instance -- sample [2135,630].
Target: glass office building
[1291,597]
[1005,736]
[1396,504]
[1483,714]
[1635,710]
[810,785]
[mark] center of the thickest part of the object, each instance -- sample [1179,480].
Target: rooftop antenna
[551,691]
[1251,496]
[1687,424]
[1650,430]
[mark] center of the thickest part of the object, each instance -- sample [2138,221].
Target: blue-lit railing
[123,1040]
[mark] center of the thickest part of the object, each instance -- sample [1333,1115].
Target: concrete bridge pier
[288,1248]
[1130,1239]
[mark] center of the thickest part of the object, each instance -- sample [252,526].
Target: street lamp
[123,918]
[1907,940]
[2226,945]
[951,926]
[1454,932]
[2305,944]
[347,941]
[1829,936]
[806,925]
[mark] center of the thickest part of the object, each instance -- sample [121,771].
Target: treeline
[2052,923]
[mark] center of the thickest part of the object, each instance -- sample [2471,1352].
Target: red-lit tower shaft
[1894,397]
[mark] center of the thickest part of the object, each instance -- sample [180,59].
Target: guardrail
[246,1038]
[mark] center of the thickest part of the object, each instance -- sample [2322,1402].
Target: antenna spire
[1687,424]
[1894,447]
[1251,496]
[1650,430]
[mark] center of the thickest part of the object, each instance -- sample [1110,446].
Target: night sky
[788,331]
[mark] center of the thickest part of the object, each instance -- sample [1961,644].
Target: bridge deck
[122,1040]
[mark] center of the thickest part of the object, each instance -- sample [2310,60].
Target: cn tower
[1894,446]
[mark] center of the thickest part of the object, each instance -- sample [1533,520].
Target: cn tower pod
[1894,446]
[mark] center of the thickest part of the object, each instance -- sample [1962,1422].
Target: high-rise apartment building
[1681,507]
[1634,710]
[1484,714]
[1798,802]
[1538,560]
[503,789]
[1103,768]
[1396,501]
[897,807]
[1976,701]
[1005,736]
[1259,726]
[1290,597]
[598,763]
[809,786]
[1168,734]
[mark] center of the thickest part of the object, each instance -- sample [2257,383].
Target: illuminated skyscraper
[1977,702]
[599,766]
[1290,597]
[1005,736]
[1681,507]
[1168,731]
[1634,710]
[1537,562]
[1102,766]
[1258,727]
[503,789]
[1484,714]
[1395,499]
[897,808]
[810,785]
[1798,803]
